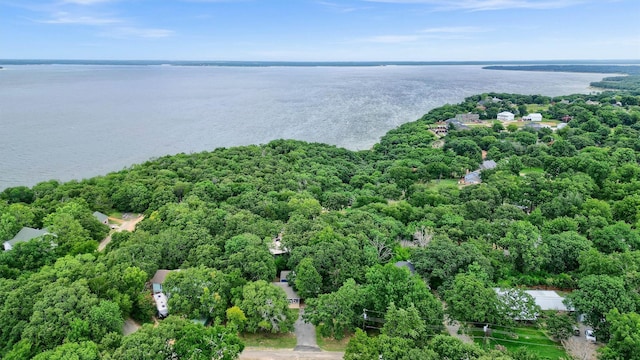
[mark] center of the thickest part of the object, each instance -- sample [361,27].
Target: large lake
[77,121]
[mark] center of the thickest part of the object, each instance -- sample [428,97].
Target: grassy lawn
[513,338]
[331,344]
[439,184]
[268,340]
[536,108]
[115,214]
[530,170]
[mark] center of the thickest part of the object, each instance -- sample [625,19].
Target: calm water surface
[77,121]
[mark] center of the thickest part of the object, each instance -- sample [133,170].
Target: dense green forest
[561,210]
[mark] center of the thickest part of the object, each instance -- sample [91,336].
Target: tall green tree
[596,296]
[266,308]
[339,312]
[308,281]
[625,336]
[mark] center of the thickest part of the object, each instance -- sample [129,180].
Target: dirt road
[128,224]
[281,354]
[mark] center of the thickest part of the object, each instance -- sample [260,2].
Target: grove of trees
[561,210]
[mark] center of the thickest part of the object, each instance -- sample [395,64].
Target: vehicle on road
[589,335]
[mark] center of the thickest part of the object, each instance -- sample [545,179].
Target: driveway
[130,327]
[579,347]
[305,335]
[129,224]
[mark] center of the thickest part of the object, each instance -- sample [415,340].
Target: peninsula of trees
[559,210]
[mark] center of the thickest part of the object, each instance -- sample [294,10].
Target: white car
[589,335]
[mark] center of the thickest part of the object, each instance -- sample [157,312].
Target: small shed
[101,217]
[25,234]
[506,116]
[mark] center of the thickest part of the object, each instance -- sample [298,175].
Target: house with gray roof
[488,165]
[25,234]
[101,217]
[472,178]
[407,265]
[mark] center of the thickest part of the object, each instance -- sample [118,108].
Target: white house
[506,116]
[533,117]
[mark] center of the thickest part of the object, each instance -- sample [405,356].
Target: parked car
[589,335]
[576,331]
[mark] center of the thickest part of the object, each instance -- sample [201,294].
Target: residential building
[533,117]
[25,234]
[506,116]
[101,217]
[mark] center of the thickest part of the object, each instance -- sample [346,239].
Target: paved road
[305,335]
[278,354]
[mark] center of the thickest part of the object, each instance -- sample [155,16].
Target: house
[407,265]
[25,234]
[276,248]
[440,128]
[488,165]
[467,118]
[567,118]
[456,124]
[506,116]
[547,300]
[158,279]
[533,117]
[472,178]
[101,217]
[561,126]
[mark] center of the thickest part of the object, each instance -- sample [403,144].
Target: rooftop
[26,234]
[160,276]
[100,216]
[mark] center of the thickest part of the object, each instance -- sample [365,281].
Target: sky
[320,30]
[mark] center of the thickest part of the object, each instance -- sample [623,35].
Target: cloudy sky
[320,30]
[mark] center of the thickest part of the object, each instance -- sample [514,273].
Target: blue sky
[320,30]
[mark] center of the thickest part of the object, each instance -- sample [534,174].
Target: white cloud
[485,5]
[66,18]
[135,32]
